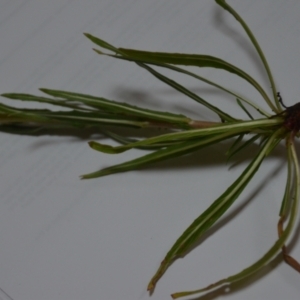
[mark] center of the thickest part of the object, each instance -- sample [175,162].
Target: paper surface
[62,238]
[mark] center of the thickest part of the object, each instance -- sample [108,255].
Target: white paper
[63,238]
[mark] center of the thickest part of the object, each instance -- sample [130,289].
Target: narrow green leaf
[159,155]
[188,93]
[119,108]
[126,141]
[89,120]
[288,187]
[244,145]
[66,119]
[13,115]
[28,97]
[244,109]
[101,43]
[234,145]
[235,127]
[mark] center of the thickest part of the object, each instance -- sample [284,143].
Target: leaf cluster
[184,135]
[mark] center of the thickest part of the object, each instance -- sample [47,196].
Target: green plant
[184,136]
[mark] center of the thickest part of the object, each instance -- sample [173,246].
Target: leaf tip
[151,287]
[98,51]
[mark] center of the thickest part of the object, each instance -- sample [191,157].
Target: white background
[62,238]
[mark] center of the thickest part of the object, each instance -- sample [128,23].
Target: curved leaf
[228,8]
[192,234]
[159,155]
[117,107]
[235,127]
[196,60]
